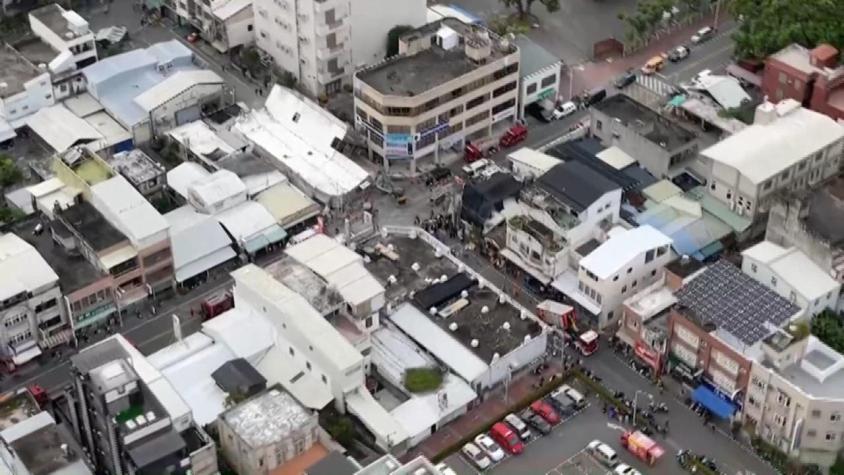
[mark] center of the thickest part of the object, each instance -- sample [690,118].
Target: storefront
[648,355]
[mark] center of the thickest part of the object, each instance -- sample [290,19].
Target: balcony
[339,25]
[322,6]
[327,52]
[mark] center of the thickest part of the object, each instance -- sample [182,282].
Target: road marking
[694,64]
[617,427]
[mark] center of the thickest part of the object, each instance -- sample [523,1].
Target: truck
[478,149]
[642,446]
[563,316]
[514,135]
[216,304]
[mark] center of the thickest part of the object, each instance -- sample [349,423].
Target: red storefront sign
[647,355]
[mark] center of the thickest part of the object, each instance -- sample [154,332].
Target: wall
[164,116]
[779,284]
[781,81]
[371,22]
[239,28]
[550,92]
[37,93]
[519,358]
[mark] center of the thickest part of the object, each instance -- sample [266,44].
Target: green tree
[829,328]
[393,38]
[9,172]
[767,26]
[523,7]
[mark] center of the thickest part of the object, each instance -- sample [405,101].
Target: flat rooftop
[136,166]
[16,407]
[55,18]
[648,123]
[50,450]
[15,71]
[305,282]
[36,51]
[96,230]
[499,329]
[411,75]
[73,270]
[268,418]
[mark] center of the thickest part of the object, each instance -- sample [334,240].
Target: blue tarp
[713,402]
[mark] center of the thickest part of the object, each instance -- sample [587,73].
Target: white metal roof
[661,191]
[22,268]
[83,104]
[421,411]
[118,256]
[438,342]
[113,133]
[615,157]
[180,178]
[534,158]
[617,251]
[217,187]
[762,151]
[127,210]
[289,205]
[201,139]
[174,85]
[198,242]
[62,129]
[373,415]
[792,266]
[225,9]
[299,134]
[246,220]
[726,90]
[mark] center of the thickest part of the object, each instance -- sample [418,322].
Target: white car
[476,456]
[564,110]
[485,442]
[703,34]
[603,453]
[624,469]
[445,469]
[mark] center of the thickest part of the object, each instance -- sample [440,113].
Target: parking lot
[561,452]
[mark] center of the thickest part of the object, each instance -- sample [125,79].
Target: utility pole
[717,12]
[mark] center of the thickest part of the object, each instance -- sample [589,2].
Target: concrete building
[266,431]
[661,146]
[792,275]
[794,398]
[788,147]
[130,419]
[644,323]
[716,331]
[812,77]
[811,221]
[310,39]
[145,174]
[37,445]
[451,82]
[30,303]
[225,24]
[24,90]
[67,33]
[371,22]
[540,73]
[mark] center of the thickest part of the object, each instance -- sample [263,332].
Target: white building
[790,273]
[540,74]
[629,260]
[371,22]
[224,24]
[24,90]
[311,39]
[527,163]
[65,31]
[199,243]
[788,147]
[30,301]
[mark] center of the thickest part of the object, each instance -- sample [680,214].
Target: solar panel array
[734,302]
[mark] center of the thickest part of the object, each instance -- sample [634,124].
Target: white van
[603,453]
[473,169]
[519,426]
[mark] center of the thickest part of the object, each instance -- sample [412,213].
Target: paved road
[714,55]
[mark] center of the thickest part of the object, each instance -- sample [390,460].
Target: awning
[204,263]
[59,338]
[26,355]
[567,284]
[271,236]
[535,273]
[713,402]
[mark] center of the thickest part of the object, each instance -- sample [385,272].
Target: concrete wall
[239,28]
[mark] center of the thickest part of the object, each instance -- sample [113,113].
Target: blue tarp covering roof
[713,402]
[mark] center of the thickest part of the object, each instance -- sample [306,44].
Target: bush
[9,172]
[829,328]
[422,380]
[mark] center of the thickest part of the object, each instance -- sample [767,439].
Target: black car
[437,175]
[536,421]
[625,80]
[562,403]
[590,98]
[540,113]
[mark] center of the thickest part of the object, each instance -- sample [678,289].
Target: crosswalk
[655,84]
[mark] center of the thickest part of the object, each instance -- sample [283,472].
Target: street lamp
[635,402]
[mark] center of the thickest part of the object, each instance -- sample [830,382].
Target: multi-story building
[225,24]
[266,431]
[794,398]
[792,275]
[540,74]
[811,77]
[130,419]
[30,302]
[36,445]
[24,90]
[788,148]
[145,174]
[716,331]
[310,39]
[450,82]
[66,32]
[658,143]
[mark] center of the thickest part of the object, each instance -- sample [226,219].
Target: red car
[545,411]
[506,438]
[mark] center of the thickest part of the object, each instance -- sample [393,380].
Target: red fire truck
[563,316]
[642,446]
[216,304]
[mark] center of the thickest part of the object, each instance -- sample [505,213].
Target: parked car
[437,175]
[603,453]
[519,426]
[703,34]
[192,37]
[571,393]
[653,65]
[564,110]
[445,469]
[625,79]
[562,403]
[536,421]
[624,469]
[541,114]
[545,411]
[678,54]
[506,438]
[592,97]
[476,456]
[492,449]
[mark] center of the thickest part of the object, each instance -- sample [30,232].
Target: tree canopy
[523,7]
[767,26]
[9,172]
[829,328]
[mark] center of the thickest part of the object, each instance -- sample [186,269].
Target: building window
[615,278]
[629,270]
[599,125]
[324,379]
[292,353]
[811,433]
[624,289]
[773,281]
[549,80]
[816,413]
[248,27]
[610,315]
[661,251]
[634,283]
[531,88]
[369,321]
[649,256]
[830,436]
[308,365]
[835,417]
[753,268]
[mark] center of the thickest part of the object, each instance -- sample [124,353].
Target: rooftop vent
[484,310]
[415,266]
[432,310]
[474,343]
[464,294]
[452,326]
[506,326]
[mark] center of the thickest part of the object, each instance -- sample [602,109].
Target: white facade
[539,250]
[629,260]
[36,94]
[371,22]
[788,147]
[311,39]
[528,164]
[64,30]
[792,275]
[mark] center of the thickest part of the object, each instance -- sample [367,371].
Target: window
[712,186]
[661,251]
[369,321]
[248,27]
[768,184]
[629,270]
[811,433]
[549,80]
[783,78]
[530,89]
[599,125]
[773,280]
[816,413]
[649,256]
[610,315]
[624,289]
[324,379]
[292,353]
[653,273]
[753,268]
[615,278]
[308,365]
[830,436]
[635,282]
[835,417]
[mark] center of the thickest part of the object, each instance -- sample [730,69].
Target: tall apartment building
[309,38]
[449,83]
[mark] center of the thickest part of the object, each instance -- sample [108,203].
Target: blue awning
[713,402]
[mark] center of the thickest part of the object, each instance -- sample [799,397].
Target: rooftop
[587,151]
[334,463]
[36,51]
[620,249]
[727,299]
[812,282]
[268,418]
[781,135]
[15,71]
[575,184]
[306,283]
[411,75]
[498,327]
[652,302]
[819,373]
[136,166]
[64,23]
[534,58]
[22,269]
[45,448]
[16,406]
[128,210]
[92,225]
[799,57]
[684,267]
[645,121]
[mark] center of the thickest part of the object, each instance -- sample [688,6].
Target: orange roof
[298,464]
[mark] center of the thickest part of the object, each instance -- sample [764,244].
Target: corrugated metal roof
[174,85]
[62,129]
[22,269]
